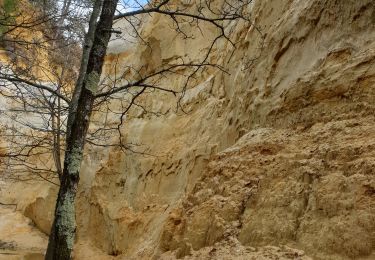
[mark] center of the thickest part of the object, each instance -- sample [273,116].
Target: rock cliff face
[278,152]
[274,160]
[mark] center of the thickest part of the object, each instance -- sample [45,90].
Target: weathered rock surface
[19,239]
[273,161]
[279,152]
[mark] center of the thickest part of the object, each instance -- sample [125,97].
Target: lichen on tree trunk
[63,231]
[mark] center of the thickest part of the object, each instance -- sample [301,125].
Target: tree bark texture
[63,231]
[89,38]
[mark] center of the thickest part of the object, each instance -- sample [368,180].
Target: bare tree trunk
[62,236]
[89,38]
[58,137]
[56,115]
[56,131]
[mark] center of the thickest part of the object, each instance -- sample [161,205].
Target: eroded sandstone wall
[278,152]
[273,160]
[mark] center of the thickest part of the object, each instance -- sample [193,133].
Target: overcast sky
[131,4]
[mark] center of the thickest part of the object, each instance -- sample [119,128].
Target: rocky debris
[232,249]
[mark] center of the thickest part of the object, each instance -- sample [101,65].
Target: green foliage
[8,7]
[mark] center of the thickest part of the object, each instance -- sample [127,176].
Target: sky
[134,1]
[129,5]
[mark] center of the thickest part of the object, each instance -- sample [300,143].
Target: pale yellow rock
[279,152]
[19,239]
[273,161]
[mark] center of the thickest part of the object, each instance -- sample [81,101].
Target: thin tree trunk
[56,115]
[89,38]
[58,137]
[62,236]
[55,118]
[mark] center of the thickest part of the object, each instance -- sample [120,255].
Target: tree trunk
[89,38]
[62,235]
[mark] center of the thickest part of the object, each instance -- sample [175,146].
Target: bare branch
[33,84]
